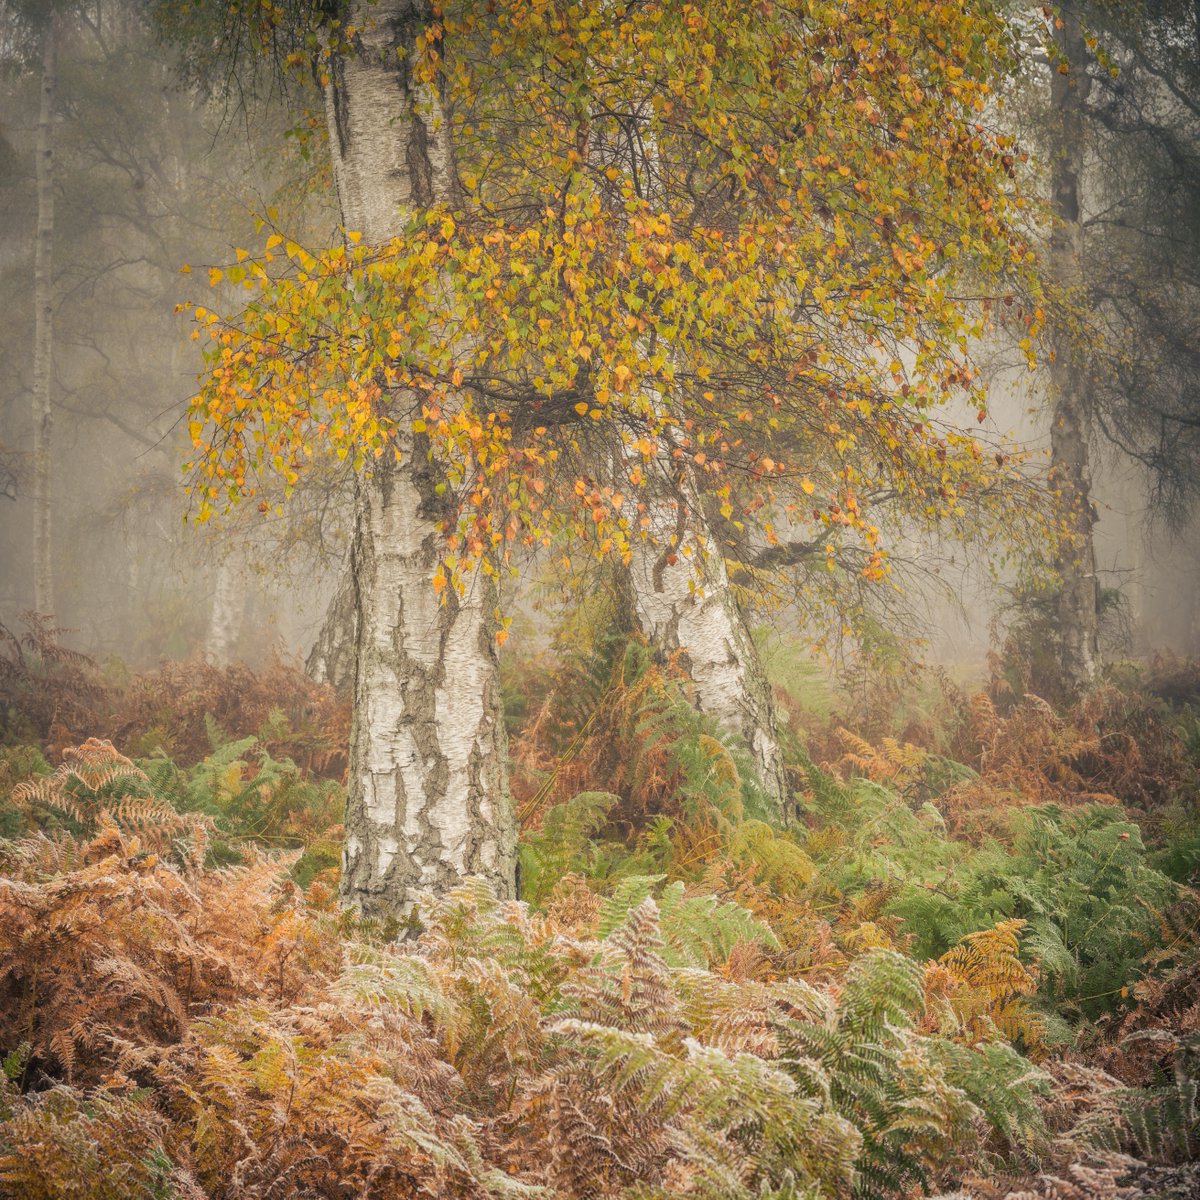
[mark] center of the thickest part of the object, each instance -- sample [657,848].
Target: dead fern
[97,787]
[989,988]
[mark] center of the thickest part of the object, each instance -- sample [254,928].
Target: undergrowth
[214,1031]
[966,953]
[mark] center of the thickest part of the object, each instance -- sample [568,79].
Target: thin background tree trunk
[228,608]
[1070,426]
[43,338]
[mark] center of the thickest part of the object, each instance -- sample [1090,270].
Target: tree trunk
[331,660]
[1070,426]
[43,336]
[227,608]
[678,610]
[426,800]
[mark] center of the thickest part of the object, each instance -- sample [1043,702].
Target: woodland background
[963,962]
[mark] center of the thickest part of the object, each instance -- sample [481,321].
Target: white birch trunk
[427,802]
[1070,426]
[225,619]
[693,612]
[43,337]
[426,799]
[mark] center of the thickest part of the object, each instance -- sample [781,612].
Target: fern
[697,930]
[994,985]
[566,843]
[1162,1119]
[1081,881]
[109,1146]
[96,787]
[903,1093]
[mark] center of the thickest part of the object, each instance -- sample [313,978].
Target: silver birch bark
[679,608]
[426,800]
[1070,426]
[43,336]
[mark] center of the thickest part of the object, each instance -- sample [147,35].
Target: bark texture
[43,337]
[1070,426]
[680,611]
[426,800]
[331,660]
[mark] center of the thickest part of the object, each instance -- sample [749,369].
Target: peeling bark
[694,614]
[43,338]
[426,800]
[1070,425]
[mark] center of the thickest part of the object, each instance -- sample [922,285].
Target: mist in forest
[600,600]
[149,177]
[152,181]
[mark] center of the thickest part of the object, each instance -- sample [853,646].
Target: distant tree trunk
[426,799]
[1070,426]
[43,336]
[227,608]
[1136,533]
[693,612]
[331,660]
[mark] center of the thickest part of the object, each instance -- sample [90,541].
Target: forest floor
[965,962]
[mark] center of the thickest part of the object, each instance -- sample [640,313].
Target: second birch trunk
[680,609]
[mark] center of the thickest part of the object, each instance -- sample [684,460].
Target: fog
[150,175]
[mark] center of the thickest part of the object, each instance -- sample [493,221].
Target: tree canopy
[741,262]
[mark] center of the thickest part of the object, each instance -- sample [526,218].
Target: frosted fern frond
[695,930]
[93,766]
[381,979]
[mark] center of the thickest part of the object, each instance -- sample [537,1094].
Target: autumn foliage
[741,265]
[697,1003]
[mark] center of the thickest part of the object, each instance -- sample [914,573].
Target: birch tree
[427,802]
[1070,427]
[535,331]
